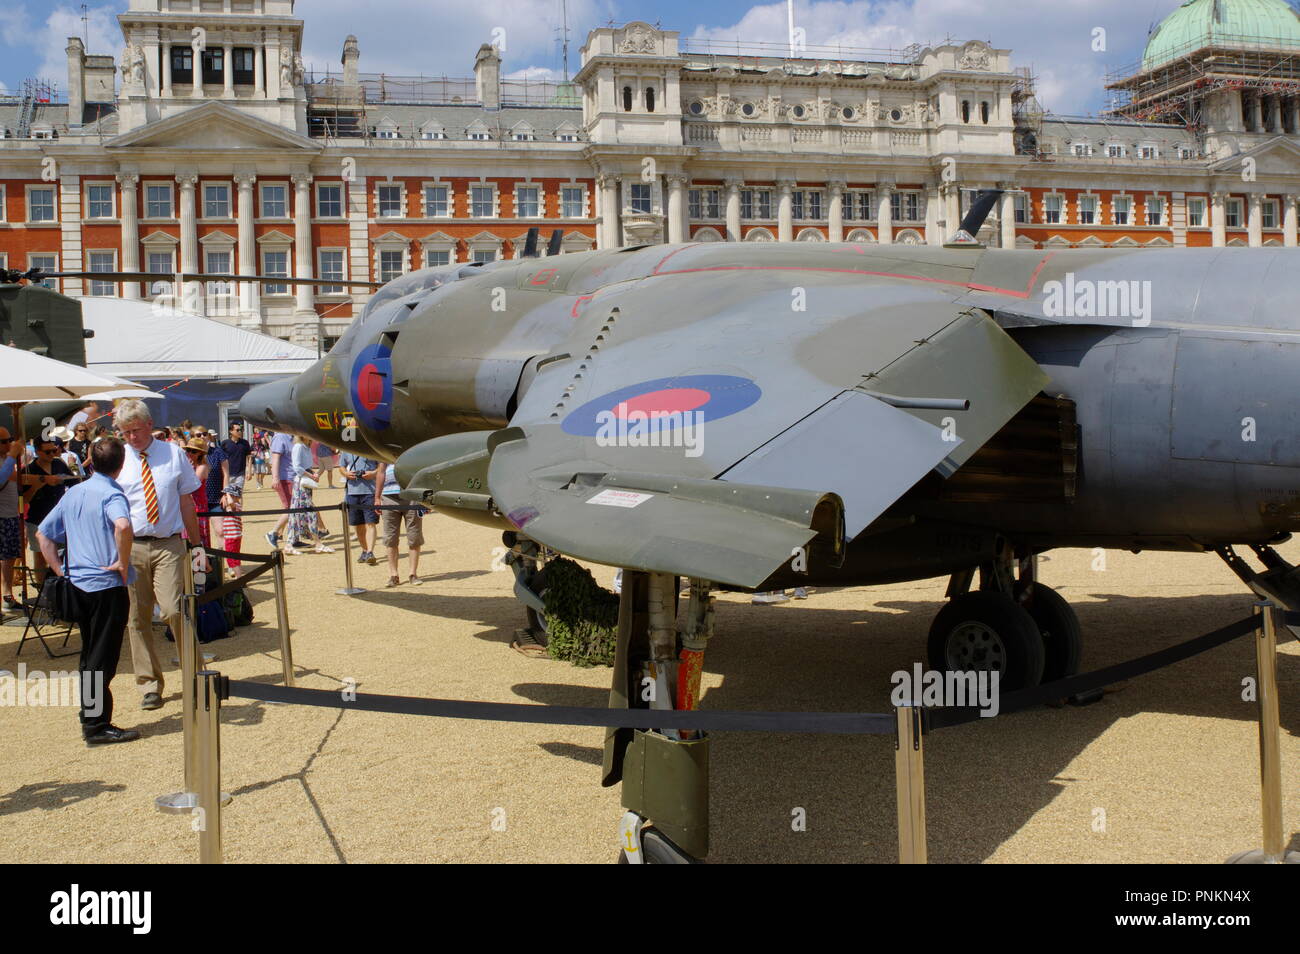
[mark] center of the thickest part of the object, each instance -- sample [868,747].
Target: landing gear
[664,772]
[1062,636]
[1013,625]
[988,632]
[644,845]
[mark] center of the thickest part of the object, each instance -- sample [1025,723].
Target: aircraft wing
[717,445]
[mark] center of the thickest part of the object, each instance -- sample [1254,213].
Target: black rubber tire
[1022,656]
[536,620]
[659,850]
[1062,635]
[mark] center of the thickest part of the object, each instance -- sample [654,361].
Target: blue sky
[435,37]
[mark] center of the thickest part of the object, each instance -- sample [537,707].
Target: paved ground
[1163,770]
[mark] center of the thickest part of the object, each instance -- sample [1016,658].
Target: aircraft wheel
[1062,635]
[660,851]
[988,631]
[536,620]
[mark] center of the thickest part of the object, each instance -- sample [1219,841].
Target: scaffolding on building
[337,110]
[1172,90]
[36,92]
[1027,114]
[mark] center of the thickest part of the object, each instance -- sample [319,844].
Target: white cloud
[413,37]
[1054,38]
[51,40]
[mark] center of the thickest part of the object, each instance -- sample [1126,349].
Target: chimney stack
[76,81]
[351,54]
[487,76]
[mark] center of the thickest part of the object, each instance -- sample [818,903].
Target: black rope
[831,723]
[1072,685]
[236,584]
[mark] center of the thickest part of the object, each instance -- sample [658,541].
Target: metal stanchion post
[909,769]
[348,589]
[1270,765]
[185,801]
[210,797]
[282,617]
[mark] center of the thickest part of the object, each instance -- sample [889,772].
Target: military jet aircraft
[757,416]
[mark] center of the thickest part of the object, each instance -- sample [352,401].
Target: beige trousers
[159,578]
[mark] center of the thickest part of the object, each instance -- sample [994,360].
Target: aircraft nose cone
[272,405]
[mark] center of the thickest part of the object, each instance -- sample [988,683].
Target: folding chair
[42,624]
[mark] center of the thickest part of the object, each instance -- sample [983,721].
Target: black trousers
[102,616]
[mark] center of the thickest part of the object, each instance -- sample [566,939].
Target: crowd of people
[116,504]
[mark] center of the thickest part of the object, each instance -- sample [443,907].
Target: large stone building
[206,146]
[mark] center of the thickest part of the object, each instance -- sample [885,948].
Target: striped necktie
[150,491]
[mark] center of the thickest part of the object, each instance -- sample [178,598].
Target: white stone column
[304,295]
[884,213]
[189,225]
[933,205]
[248,296]
[1289,221]
[1255,220]
[835,214]
[1008,217]
[196,70]
[733,209]
[608,185]
[785,212]
[259,72]
[130,231]
[951,210]
[228,69]
[676,200]
[167,69]
[1218,223]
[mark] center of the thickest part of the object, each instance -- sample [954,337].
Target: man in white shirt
[158,481]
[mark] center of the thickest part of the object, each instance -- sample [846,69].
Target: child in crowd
[232,524]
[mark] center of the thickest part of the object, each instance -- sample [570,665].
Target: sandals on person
[394,581]
[415,580]
[321,548]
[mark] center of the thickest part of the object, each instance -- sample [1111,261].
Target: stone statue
[299,71]
[133,65]
[286,68]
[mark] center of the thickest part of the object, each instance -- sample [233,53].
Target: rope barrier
[321,509]
[236,584]
[828,723]
[1073,685]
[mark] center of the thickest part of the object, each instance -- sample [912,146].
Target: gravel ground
[1164,769]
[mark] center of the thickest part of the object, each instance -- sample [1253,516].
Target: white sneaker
[775,596]
[801,592]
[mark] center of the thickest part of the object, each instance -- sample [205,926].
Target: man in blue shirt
[94,519]
[360,495]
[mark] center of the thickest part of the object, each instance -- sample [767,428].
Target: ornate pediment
[212,127]
[1276,157]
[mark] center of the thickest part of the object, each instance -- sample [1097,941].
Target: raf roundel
[371,387]
[664,403]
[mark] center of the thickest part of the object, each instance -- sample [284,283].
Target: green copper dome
[1249,24]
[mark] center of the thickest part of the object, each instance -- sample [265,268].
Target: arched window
[627,99]
[984,112]
[965,110]
[649,99]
